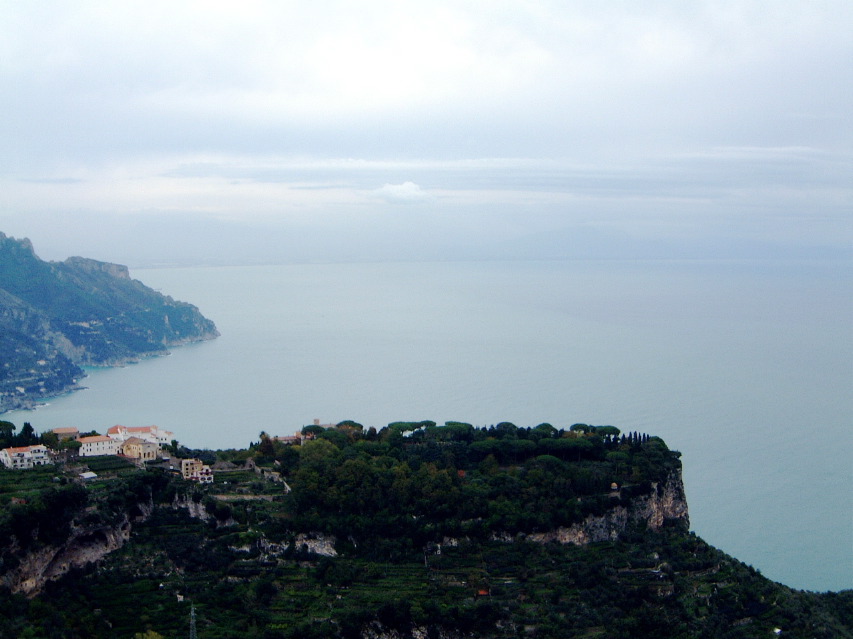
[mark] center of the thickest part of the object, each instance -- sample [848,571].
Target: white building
[97,445]
[152,434]
[24,456]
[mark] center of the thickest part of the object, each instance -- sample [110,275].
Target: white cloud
[407,192]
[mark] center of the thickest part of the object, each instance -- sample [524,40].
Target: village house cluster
[138,443]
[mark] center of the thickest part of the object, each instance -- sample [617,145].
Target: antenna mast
[193,634]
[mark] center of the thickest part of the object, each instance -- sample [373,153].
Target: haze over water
[743,366]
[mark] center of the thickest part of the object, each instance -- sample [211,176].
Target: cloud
[407,192]
[669,115]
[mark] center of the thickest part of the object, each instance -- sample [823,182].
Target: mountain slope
[58,316]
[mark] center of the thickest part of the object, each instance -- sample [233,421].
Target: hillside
[56,317]
[412,530]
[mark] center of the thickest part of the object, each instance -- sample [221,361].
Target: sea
[745,367]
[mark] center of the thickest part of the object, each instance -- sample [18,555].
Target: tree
[7,430]
[348,423]
[27,436]
[506,429]
[265,447]
[489,466]
[172,447]
[544,430]
[607,431]
[50,439]
[319,454]
[617,458]
[313,429]
[337,437]
[69,444]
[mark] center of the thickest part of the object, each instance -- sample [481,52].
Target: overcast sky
[157,132]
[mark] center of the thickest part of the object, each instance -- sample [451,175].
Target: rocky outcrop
[317,544]
[376,630]
[85,545]
[94,266]
[665,502]
[49,563]
[195,508]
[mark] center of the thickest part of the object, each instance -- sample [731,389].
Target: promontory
[57,317]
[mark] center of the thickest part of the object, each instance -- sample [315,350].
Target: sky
[156,133]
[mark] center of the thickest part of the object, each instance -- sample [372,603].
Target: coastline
[33,401]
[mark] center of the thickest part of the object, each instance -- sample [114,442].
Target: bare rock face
[195,509]
[83,546]
[377,630]
[316,543]
[94,266]
[665,502]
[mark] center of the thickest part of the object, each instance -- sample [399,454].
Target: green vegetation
[58,316]
[421,482]
[25,437]
[433,528]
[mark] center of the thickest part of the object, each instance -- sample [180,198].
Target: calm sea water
[745,367]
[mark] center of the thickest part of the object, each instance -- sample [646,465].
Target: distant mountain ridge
[56,317]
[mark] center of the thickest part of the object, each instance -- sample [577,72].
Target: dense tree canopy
[455,479]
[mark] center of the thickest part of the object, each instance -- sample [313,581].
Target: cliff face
[666,502]
[377,630]
[58,316]
[84,545]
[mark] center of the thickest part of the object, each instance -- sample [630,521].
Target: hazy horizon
[155,133]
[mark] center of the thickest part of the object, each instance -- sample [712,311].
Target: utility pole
[193,634]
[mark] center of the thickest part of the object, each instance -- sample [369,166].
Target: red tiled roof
[131,429]
[19,449]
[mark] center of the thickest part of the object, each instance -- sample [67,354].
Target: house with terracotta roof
[97,445]
[22,457]
[152,434]
[69,432]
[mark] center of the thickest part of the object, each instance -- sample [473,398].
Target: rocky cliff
[665,503]
[56,317]
[85,544]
